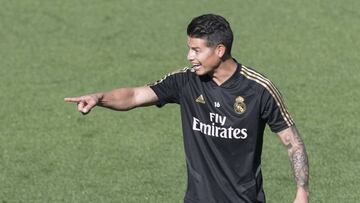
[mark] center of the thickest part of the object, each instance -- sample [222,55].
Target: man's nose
[190,55]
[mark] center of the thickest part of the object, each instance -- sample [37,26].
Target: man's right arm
[122,99]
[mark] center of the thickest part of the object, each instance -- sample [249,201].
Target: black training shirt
[223,131]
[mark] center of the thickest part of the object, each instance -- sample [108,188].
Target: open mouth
[195,67]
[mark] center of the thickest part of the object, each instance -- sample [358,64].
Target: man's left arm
[299,161]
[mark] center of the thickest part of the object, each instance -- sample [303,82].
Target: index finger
[72,99]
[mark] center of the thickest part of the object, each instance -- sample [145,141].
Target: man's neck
[225,70]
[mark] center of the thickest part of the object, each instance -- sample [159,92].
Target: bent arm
[299,161]
[121,99]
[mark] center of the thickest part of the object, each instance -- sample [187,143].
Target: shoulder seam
[183,70]
[270,87]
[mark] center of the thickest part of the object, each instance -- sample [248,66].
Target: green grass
[53,49]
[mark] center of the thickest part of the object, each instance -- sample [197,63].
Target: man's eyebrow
[194,48]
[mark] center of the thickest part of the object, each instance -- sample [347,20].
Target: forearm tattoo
[299,160]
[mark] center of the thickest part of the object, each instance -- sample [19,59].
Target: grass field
[53,49]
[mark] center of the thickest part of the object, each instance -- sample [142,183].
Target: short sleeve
[274,111]
[169,88]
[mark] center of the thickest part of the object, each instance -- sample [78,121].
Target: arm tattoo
[299,160]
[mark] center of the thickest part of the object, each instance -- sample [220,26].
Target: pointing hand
[84,103]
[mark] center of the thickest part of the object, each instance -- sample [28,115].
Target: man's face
[204,59]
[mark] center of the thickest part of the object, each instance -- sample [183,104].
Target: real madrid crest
[239,105]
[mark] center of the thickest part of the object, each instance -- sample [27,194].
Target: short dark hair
[214,28]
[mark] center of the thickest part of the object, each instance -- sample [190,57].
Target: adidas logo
[200,99]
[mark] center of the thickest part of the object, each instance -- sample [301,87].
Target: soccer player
[224,109]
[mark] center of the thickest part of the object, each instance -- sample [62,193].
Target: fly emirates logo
[215,130]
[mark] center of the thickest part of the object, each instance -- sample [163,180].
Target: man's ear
[220,50]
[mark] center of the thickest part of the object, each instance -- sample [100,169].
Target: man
[224,109]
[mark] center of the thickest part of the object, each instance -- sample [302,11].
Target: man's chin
[200,72]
